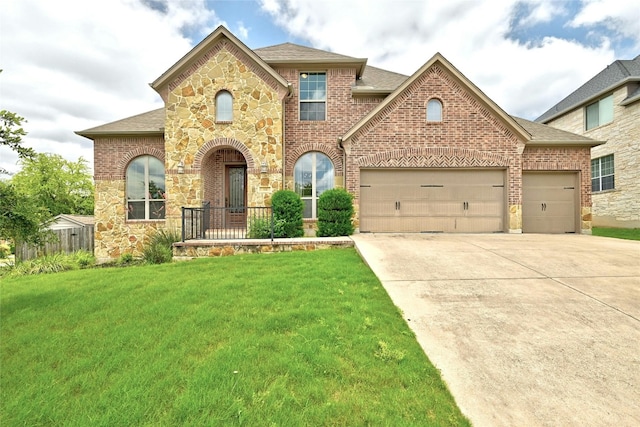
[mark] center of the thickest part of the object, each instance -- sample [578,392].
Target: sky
[69,65]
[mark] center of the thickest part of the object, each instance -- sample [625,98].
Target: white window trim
[314,183]
[600,175]
[600,123]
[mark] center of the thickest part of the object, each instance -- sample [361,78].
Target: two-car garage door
[464,201]
[441,200]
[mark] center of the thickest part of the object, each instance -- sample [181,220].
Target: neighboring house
[424,153]
[607,108]
[66,221]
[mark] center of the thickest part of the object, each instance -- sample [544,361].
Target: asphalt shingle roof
[150,122]
[544,133]
[616,73]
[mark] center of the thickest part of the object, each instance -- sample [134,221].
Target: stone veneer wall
[192,133]
[565,159]
[114,235]
[468,136]
[619,207]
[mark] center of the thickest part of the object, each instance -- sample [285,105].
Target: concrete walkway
[527,330]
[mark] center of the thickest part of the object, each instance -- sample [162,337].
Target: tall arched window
[224,106]
[312,174]
[434,110]
[145,188]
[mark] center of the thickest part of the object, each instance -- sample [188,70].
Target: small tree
[335,209]
[21,219]
[11,134]
[288,207]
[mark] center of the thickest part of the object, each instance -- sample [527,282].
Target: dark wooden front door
[236,196]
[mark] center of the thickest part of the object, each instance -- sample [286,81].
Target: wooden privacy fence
[68,240]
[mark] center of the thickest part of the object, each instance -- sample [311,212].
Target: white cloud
[70,65]
[621,17]
[541,12]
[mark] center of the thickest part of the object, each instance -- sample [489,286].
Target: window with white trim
[434,110]
[224,106]
[602,173]
[312,175]
[599,113]
[313,96]
[145,189]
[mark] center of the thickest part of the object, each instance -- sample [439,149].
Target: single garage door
[431,200]
[549,202]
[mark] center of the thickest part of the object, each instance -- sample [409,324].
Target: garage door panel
[432,200]
[549,202]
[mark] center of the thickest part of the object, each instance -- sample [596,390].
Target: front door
[235,196]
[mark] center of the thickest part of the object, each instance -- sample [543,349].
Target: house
[428,152]
[607,108]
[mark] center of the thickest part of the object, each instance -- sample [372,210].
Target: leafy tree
[11,134]
[21,219]
[59,185]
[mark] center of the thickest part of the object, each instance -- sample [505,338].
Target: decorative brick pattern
[433,158]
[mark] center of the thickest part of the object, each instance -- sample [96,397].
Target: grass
[618,233]
[290,339]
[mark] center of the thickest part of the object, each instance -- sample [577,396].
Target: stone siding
[619,207]
[192,135]
[114,235]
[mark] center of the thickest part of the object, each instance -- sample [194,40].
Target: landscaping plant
[288,207]
[335,209]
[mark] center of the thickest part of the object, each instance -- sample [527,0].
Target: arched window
[312,174]
[434,110]
[224,106]
[145,188]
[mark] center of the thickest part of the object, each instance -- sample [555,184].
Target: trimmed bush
[335,209]
[288,207]
[260,228]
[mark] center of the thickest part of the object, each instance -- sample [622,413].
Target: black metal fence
[220,223]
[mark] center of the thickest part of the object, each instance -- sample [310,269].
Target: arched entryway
[224,174]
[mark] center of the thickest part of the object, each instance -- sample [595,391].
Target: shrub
[335,209]
[5,250]
[53,263]
[260,228]
[288,207]
[125,259]
[83,259]
[159,249]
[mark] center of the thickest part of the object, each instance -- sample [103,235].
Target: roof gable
[439,60]
[616,74]
[181,69]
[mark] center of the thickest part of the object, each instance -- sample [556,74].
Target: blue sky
[74,64]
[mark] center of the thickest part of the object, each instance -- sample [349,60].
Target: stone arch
[141,151]
[224,142]
[331,152]
[433,158]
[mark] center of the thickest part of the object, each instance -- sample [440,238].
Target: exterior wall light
[263,167]
[181,167]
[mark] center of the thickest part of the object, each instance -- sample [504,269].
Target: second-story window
[313,96]
[224,107]
[599,113]
[434,110]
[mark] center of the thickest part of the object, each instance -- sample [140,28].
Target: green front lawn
[618,233]
[290,339]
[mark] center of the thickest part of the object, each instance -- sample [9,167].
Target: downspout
[344,163]
[284,151]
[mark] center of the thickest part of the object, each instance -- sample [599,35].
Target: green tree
[11,134]
[59,185]
[21,219]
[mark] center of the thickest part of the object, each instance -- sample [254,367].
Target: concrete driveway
[527,330]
